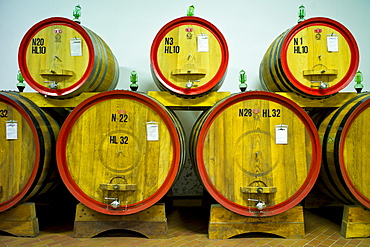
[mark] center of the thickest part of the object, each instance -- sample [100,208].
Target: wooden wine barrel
[345,140]
[120,146]
[316,58]
[256,147]
[27,154]
[60,58]
[189,57]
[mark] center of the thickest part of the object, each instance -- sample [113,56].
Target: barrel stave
[344,169]
[28,166]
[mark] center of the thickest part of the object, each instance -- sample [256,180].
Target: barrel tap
[259,205]
[115,203]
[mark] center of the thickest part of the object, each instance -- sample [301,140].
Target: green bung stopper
[134,79]
[358,79]
[301,13]
[20,85]
[242,78]
[191,11]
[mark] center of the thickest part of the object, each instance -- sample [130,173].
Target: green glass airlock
[242,78]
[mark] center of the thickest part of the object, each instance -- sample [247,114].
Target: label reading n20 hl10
[247,112]
[38,46]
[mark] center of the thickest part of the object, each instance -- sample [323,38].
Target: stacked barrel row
[119,152]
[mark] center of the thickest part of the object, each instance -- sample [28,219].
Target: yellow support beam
[179,103]
[196,103]
[43,101]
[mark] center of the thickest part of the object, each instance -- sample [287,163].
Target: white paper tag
[76,47]
[332,42]
[11,130]
[281,134]
[203,43]
[152,133]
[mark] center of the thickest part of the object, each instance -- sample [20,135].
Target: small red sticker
[57,30]
[189,29]
[122,112]
[318,30]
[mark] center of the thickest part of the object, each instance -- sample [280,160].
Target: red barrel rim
[62,159]
[351,186]
[312,175]
[355,56]
[22,54]
[28,186]
[191,20]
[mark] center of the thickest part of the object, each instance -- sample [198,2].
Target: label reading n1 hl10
[299,48]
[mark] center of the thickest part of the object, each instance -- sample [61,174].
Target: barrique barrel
[60,58]
[256,149]
[27,154]
[119,152]
[345,135]
[189,57]
[316,58]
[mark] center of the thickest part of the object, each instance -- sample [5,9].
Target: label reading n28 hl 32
[248,112]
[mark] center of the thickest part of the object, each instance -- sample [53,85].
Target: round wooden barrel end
[189,57]
[317,58]
[242,161]
[60,58]
[133,152]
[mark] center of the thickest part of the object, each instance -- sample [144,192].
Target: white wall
[129,27]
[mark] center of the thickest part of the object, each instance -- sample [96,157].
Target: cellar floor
[187,226]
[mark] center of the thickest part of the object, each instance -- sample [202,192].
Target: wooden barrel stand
[151,222]
[224,224]
[355,222]
[20,221]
